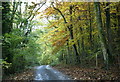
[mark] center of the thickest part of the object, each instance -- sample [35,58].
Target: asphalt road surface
[45,72]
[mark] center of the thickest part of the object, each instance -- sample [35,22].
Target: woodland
[65,35]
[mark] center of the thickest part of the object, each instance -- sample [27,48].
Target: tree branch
[59,12]
[37,10]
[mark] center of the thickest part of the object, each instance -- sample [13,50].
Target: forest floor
[78,73]
[27,74]
[75,72]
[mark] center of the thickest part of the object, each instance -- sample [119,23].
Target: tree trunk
[90,28]
[72,37]
[118,33]
[70,30]
[6,23]
[109,35]
[101,33]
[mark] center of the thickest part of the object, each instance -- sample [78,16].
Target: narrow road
[45,72]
